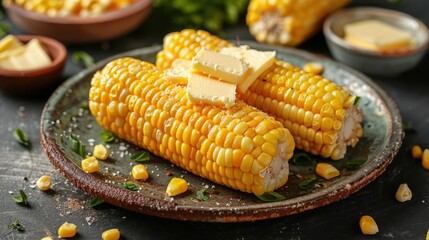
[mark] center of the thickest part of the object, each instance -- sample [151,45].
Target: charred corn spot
[90,165]
[368,226]
[139,172]
[111,234]
[425,159]
[416,152]
[100,152]
[176,187]
[213,142]
[308,105]
[403,193]
[67,230]
[326,170]
[44,183]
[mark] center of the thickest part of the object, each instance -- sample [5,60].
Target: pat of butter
[225,67]
[28,57]
[376,35]
[259,62]
[211,91]
[9,42]
[179,71]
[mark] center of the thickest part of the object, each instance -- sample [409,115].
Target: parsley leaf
[107,136]
[130,186]
[21,198]
[354,164]
[201,194]
[140,157]
[16,225]
[95,201]
[271,197]
[21,137]
[309,183]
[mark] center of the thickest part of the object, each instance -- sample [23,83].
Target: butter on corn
[368,225]
[176,187]
[67,230]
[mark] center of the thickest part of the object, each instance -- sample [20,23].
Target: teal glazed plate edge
[64,115]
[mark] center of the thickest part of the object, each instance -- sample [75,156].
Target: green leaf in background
[201,194]
[140,157]
[82,58]
[21,198]
[17,226]
[95,201]
[77,146]
[21,137]
[271,197]
[4,29]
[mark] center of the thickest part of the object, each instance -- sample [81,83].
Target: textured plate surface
[64,115]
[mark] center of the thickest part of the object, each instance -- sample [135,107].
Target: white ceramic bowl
[382,63]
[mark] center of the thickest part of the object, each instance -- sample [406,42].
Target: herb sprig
[271,197]
[21,198]
[201,195]
[95,201]
[140,157]
[17,225]
[21,137]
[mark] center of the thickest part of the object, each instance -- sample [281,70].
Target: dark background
[409,220]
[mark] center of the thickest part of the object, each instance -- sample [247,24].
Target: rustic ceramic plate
[64,115]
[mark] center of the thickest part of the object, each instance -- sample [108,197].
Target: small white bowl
[382,63]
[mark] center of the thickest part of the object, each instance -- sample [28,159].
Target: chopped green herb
[302,159]
[107,137]
[4,29]
[201,194]
[140,157]
[21,137]
[17,226]
[309,183]
[354,164]
[130,186]
[357,100]
[95,201]
[271,197]
[77,146]
[84,105]
[408,127]
[82,58]
[21,198]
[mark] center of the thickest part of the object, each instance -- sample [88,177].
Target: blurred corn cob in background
[321,115]
[288,22]
[240,147]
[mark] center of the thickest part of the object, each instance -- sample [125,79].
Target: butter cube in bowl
[29,63]
[375,40]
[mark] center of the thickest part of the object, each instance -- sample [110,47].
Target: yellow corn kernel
[67,230]
[416,152]
[427,235]
[139,172]
[425,159]
[90,165]
[100,152]
[176,187]
[47,238]
[111,234]
[44,183]
[313,67]
[403,193]
[368,226]
[326,170]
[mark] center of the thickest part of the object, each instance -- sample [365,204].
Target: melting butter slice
[211,91]
[259,62]
[376,35]
[178,73]
[9,42]
[225,67]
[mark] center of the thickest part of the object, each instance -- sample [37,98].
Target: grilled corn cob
[240,147]
[320,115]
[288,22]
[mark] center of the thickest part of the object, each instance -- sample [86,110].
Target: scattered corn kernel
[47,238]
[425,159]
[416,152]
[368,226]
[100,152]
[67,230]
[111,234]
[44,183]
[403,193]
[90,165]
[176,187]
[427,235]
[326,170]
[139,172]
[313,67]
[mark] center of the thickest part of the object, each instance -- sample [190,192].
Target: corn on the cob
[240,147]
[288,22]
[321,115]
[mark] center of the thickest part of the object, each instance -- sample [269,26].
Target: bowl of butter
[30,63]
[376,41]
